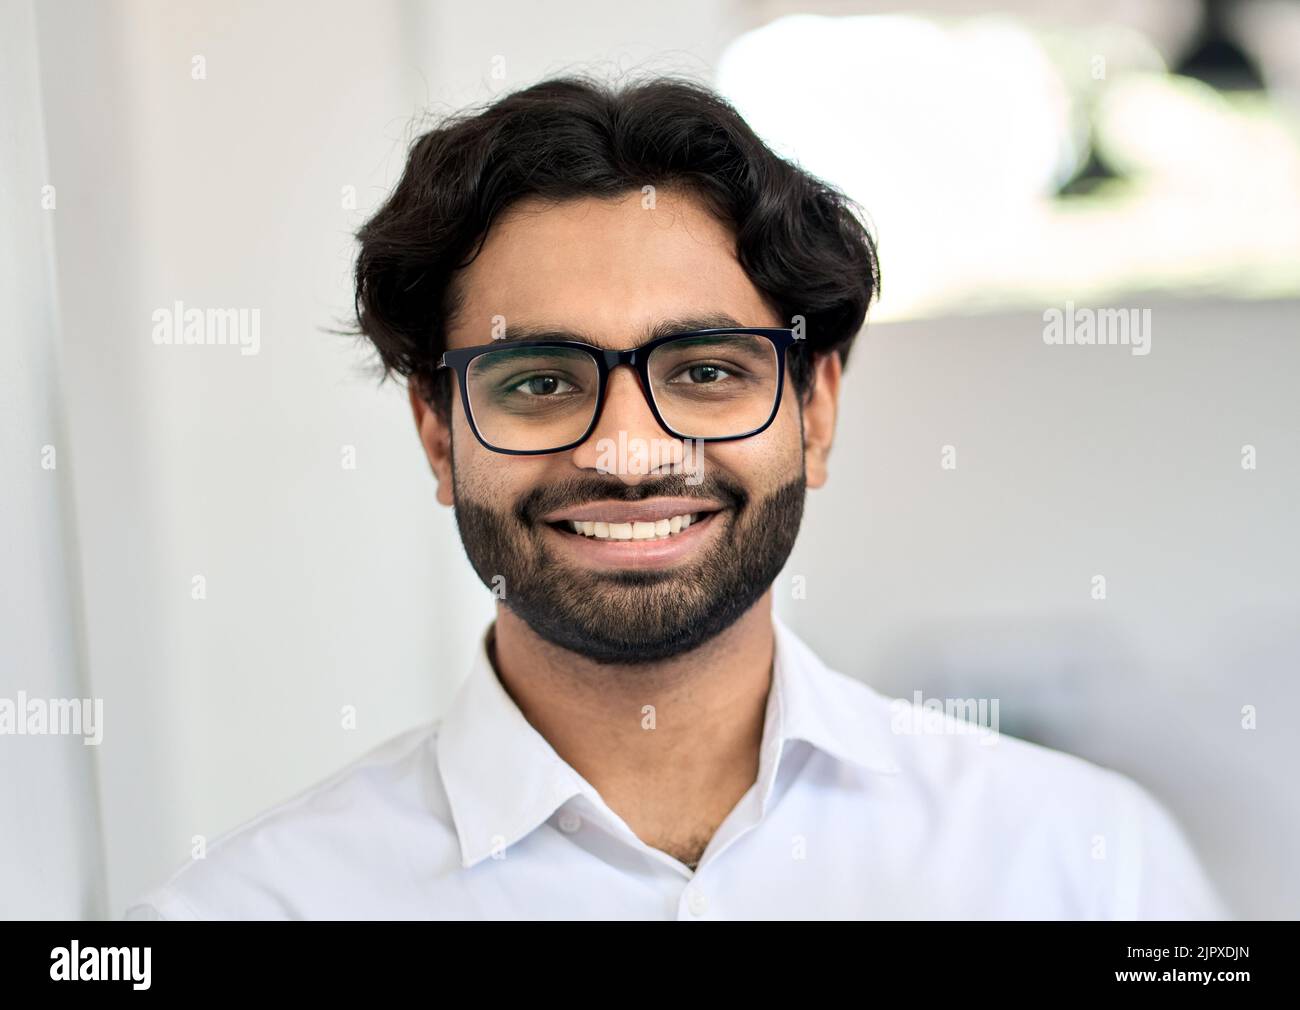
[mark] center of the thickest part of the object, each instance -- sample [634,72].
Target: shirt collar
[823,707]
[503,778]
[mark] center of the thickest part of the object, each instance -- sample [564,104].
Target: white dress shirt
[852,816]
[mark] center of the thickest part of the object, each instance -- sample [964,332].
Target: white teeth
[656,530]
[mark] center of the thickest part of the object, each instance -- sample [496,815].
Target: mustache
[582,490]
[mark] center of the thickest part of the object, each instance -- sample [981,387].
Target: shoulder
[1038,817]
[316,854]
[944,747]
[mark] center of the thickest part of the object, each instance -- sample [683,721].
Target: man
[623,320]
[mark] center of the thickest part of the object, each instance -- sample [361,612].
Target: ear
[435,436]
[819,417]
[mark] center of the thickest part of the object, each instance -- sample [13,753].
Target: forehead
[608,269]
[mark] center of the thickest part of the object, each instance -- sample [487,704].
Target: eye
[541,386]
[701,375]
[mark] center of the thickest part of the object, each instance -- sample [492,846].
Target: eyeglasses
[524,398]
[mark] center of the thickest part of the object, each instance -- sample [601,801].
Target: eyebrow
[663,328]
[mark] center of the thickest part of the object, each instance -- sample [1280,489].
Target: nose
[627,440]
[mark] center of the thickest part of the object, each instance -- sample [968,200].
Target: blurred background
[231,548]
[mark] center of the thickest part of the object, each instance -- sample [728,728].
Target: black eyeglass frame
[607,360]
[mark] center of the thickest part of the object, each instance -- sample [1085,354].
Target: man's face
[609,271]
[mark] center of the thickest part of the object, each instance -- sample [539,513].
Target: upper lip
[648,511]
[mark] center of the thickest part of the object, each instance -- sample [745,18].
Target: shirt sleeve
[1159,874]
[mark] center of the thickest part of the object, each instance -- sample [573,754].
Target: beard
[633,616]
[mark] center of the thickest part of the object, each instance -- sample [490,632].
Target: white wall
[50,855]
[328,587]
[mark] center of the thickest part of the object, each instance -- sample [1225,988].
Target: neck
[671,747]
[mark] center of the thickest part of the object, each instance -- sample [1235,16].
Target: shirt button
[570,822]
[696,902]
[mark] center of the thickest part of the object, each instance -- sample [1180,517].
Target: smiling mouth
[661,529]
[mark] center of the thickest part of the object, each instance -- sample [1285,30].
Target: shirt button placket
[696,903]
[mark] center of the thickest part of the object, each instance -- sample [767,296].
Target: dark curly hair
[799,240]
